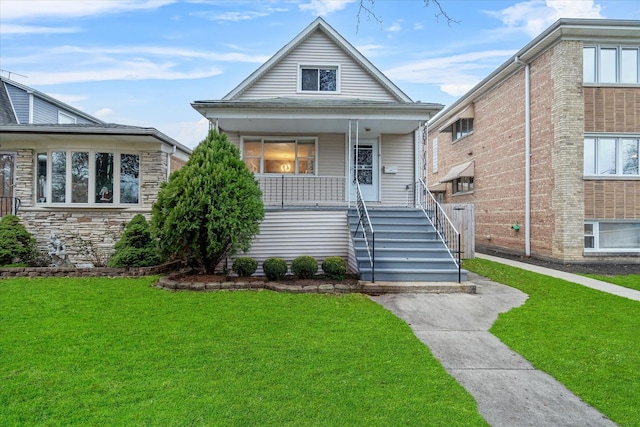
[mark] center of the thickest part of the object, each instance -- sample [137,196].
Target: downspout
[527,158]
[173,151]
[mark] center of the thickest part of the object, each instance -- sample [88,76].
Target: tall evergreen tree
[209,209]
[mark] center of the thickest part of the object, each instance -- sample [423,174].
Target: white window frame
[318,67]
[454,136]
[64,118]
[464,179]
[618,64]
[619,157]
[92,178]
[296,139]
[596,238]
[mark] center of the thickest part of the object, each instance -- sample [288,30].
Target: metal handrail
[367,228]
[13,203]
[441,222]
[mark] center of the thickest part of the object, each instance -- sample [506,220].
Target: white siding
[289,233]
[398,151]
[318,49]
[331,155]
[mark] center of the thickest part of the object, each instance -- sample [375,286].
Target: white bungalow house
[306,122]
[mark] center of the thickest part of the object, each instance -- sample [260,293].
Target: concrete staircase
[407,248]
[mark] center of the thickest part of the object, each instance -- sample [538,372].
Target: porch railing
[441,222]
[281,190]
[369,235]
[9,206]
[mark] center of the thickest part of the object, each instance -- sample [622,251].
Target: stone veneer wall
[567,111]
[102,227]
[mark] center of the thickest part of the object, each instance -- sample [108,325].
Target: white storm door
[365,164]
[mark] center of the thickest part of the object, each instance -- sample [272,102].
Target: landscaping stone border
[89,272]
[328,288]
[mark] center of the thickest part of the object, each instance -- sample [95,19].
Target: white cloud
[13,9]
[187,133]
[418,26]
[369,50]
[453,74]
[535,16]
[103,113]
[131,70]
[32,29]
[324,7]
[395,27]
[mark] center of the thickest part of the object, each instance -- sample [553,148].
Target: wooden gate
[462,217]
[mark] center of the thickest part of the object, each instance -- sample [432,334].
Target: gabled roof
[47,98]
[319,25]
[590,30]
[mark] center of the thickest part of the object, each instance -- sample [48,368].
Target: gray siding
[44,112]
[331,155]
[318,49]
[290,233]
[397,150]
[20,101]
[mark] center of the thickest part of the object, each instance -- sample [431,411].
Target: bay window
[280,155]
[80,177]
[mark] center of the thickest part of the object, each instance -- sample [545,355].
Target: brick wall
[176,164]
[612,109]
[567,111]
[611,199]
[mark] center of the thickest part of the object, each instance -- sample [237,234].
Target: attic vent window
[318,79]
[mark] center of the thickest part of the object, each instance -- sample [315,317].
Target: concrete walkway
[509,391]
[569,277]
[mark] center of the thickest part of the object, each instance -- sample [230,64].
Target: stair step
[414,275]
[408,263]
[427,243]
[420,252]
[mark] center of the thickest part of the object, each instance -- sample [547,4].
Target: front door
[7,180]
[365,164]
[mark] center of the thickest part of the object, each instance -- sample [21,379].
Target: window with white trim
[280,155]
[611,64]
[87,177]
[610,156]
[612,236]
[461,128]
[318,78]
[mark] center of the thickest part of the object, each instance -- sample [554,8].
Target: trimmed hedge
[334,267]
[244,266]
[304,267]
[275,268]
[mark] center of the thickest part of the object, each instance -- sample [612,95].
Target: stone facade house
[325,132]
[546,147]
[67,173]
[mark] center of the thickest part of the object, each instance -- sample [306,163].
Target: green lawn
[631,281]
[586,339]
[120,352]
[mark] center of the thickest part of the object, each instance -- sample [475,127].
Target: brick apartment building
[546,147]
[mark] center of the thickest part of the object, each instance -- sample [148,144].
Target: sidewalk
[569,277]
[510,392]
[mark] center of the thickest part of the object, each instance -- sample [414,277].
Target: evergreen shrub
[244,266]
[274,268]
[334,267]
[16,243]
[304,267]
[136,247]
[211,208]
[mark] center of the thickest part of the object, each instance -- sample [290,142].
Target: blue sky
[143,62]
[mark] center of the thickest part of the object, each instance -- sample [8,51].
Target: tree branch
[366,7]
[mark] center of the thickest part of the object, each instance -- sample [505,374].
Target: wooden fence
[462,217]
